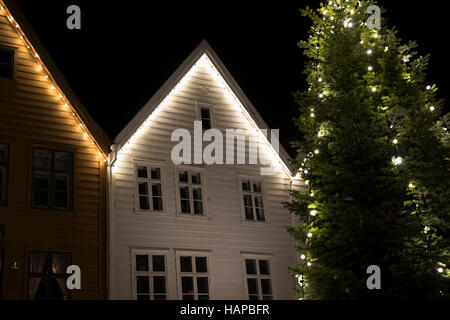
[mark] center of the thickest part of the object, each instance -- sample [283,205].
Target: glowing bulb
[428,87]
[306,171]
[52,87]
[310,235]
[316,151]
[81,124]
[370,68]
[397,161]
[375,35]
[369,52]
[313,213]
[36,55]
[410,186]
[440,270]
[324,12]
[303,257]
[432,108]
[386,49]
[85,135]
[362,42]
[320,79]
[395,141]
[350,24]
[312,194]
[352,11]
[309,264]
[374,89]
[312,115]
[321,95]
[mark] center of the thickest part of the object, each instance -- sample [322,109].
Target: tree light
[428,87]
[395,141]
[432,108]
[397,161]
[312,115]
[370,68]
[321,95]
[303,257]
[309,264]
[440,270]
[320,79]
[310,235]
[313,213]
[369,52]
[374,89]
[316,151]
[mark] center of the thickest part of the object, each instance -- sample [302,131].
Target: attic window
[205,114]
[206,118]
[6,63]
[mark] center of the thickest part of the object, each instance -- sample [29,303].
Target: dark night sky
[126,50]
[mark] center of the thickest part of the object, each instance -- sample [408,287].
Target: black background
[126,50]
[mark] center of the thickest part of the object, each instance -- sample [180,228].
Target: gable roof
[203,49]
[35,46]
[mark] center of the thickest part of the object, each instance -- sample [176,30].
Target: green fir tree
[375,163]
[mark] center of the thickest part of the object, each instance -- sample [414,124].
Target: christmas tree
[375,161]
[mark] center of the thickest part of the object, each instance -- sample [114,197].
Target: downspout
[110,220]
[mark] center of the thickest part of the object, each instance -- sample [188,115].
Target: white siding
[223,233]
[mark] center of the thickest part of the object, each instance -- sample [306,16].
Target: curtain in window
[60,262]
[37,263]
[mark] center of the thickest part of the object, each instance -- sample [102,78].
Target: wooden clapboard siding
[222,233]
[31,114]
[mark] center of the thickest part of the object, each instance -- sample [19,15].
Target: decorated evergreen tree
[376,163]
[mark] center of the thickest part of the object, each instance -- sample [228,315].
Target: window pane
[142,285]
[201,264]
[159,285]
[197,193]
[60,262]
[266,286]
[6,71]
[184,176]
[256,186]
[157,190]
[260,214]
[144,203]
[156,173]
[187,285]
[248,213]
[202,285]
[3,153]
[143,297]
[248,200]
[198,207]
[42,158]
[206,124]
[143,188]
[159,263]
[185,206]
[184,192]
[141,262]
[205,113]
[196,178]
[61,191]
[186,264]
[6,56]
[142,172]
[157,204]
[259,202]
[246,185]
[252,286]
[250,266]
[264,267]
[63,161]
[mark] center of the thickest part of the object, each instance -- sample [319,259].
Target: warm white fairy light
[303,257]
[312,115]
[370,68]
[309,264]
[440,270]
[428,87]
[40,66]
[309,235]
[397,161]
[374,89]
[432,108]
[313,213]
[369,52]
[395,141]
[317,151]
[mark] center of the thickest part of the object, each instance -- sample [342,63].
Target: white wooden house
[196,231]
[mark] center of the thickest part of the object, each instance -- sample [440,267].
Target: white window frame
[193,274]
[258,276]
[149,180]
[203,105]
[150,273]
[253,195]
[202,185]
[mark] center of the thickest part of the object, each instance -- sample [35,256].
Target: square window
[156,174]
[186,264]
[184,176]
[266,287]
[142,284]
[159,285]
[196,178]
[187,285]
[6,63]
[158,263]
[252,286]
[142,262]
[250,266]
[264,267]
[142,172]
[201,265]
[202,285]
[157,204]
[246,185]
[144,203]
[143,188]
